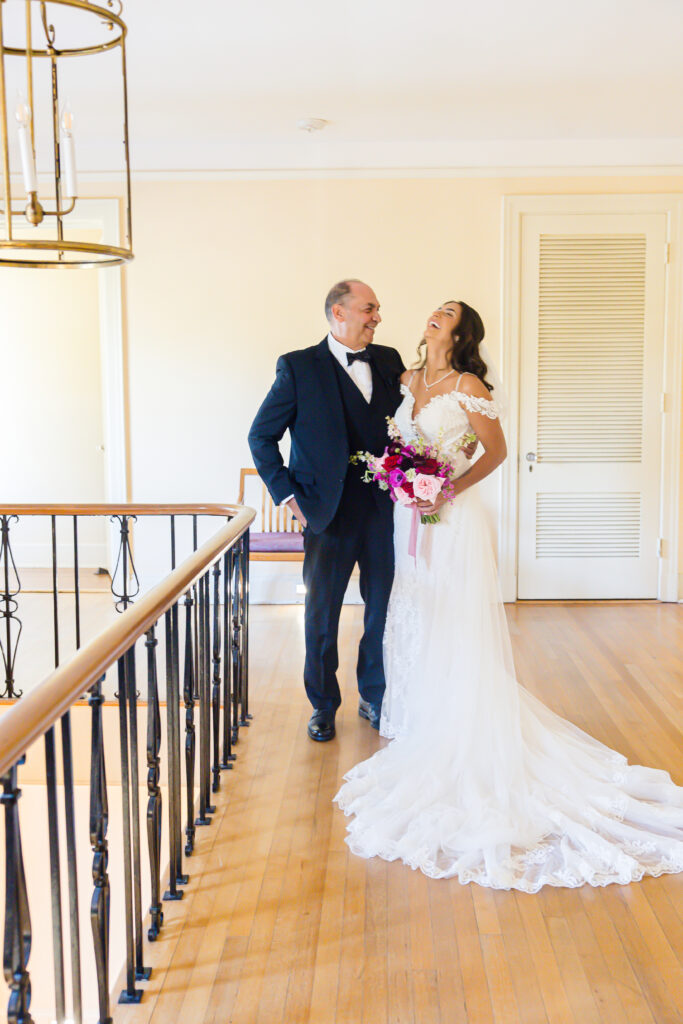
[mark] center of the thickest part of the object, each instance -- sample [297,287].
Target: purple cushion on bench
[276,542]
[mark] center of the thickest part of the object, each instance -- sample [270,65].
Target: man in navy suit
[334,399]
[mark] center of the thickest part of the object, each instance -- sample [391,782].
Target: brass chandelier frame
[48,253]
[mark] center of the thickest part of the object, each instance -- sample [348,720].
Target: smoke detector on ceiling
[311,124]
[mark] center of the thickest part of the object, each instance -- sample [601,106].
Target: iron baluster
[70,823]
[8,650]
[236,660]
[216,688]
[181,879]
[188,698]
[99,823]
[245,630]
[154,805]
[173,743]
[17,937]
[172,518]
[77,586]
[130,994]
[141,972]
[207,688]
[124,559]
[55,871]
[55,608]
[172,893]
[202,819]
[228,755]
[125,549]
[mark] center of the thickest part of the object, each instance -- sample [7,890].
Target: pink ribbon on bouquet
[412,543]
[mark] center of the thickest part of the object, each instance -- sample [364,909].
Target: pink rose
[401,496]
[426,488]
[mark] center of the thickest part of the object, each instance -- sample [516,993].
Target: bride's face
[442,323]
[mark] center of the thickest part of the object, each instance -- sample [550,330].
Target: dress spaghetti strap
[457,383]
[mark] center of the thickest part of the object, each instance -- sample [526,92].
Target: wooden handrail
[120,509]
[28,719]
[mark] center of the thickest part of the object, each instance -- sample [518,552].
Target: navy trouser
[329,559]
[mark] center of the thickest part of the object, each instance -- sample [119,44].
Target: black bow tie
[363,355]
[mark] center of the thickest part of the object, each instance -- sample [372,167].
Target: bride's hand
[470,449]
[428,508]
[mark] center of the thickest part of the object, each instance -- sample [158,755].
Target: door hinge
[667,253]
[664,402]
[661,548]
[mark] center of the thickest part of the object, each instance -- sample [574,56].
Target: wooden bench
[280,538]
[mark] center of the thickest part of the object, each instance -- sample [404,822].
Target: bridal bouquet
[412,472]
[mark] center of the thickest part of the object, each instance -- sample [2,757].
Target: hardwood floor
[282,925]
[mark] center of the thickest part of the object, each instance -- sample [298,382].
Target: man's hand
[471,448]
[296,511]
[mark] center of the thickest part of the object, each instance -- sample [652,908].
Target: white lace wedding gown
[482,781]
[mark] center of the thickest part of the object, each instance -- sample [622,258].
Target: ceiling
[215,86]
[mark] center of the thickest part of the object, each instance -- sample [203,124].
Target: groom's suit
[349,522]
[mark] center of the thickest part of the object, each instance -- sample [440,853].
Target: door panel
[592,350]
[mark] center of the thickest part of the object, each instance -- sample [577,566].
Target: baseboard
[282,583]
[39,555]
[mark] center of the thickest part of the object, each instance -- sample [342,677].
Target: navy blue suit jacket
[305,399]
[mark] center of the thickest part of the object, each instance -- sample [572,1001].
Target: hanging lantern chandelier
[41,43]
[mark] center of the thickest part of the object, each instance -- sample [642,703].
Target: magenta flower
[396,478]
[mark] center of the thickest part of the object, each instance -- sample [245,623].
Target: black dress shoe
[369,711]
[321,725]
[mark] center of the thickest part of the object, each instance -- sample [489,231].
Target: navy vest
[366,429]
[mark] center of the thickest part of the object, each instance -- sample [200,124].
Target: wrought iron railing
[210,590]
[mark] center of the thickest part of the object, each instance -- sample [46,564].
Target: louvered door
[592,350]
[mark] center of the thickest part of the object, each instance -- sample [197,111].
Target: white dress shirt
[359,372]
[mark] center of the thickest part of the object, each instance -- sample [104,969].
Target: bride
[482,781]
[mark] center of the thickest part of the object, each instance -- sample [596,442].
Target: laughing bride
[481,780]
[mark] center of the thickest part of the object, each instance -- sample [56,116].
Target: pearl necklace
[430,386]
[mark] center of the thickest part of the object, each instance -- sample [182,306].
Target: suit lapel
[384,370]
[328,383]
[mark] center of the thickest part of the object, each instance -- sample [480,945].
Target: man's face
[355,319]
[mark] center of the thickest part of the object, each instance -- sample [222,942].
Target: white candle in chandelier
[68,155]
[28,165]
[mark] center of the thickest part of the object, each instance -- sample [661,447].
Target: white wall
[230,273]
[50,383]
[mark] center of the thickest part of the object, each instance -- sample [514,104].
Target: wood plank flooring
[282,925]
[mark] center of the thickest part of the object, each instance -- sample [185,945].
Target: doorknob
[531,456]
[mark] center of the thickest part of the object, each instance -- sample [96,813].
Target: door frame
[514,208]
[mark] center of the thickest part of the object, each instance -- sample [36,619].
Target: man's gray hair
[337,294]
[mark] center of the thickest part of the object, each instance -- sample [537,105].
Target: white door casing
[590,348]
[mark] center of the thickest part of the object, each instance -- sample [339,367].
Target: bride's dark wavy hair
[466,336]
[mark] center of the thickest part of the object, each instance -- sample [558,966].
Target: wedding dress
[482,781]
